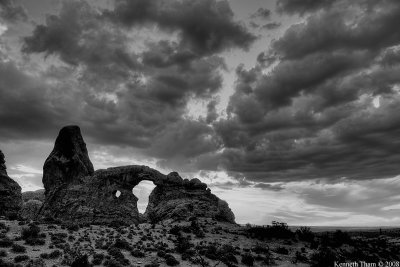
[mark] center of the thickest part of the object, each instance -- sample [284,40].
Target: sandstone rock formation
[186,198]
[75,193]
[10,193]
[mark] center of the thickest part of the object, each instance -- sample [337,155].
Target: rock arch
[142,191]
[74,192]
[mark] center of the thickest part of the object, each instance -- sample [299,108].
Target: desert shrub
[72,227]
[58,238]
[211,252]
[276,230]
[81,261]
[340,238]
[200,234]
[175,230]
[3,253]
[72,254]
[117,255]
[300,257]
[122,244]
[170,260]
[337,239]
[324,257]
[314,244]
[6,242]
[35,241]
[8,264]
[32,231]
[98,259]
[305,234]
[116,224]
[182,244]
[260,249]
[55,254]
[51,227]
[36,263]
[226,254]
[137,253]
[12,216]
[248,259]
[21,258]
[4,227]
[282,250]
[32,236]
[18,248]
[115,252]
[161,253]
[194,225]
[112,263]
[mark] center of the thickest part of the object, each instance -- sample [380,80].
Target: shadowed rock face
[68,161]
[10,192]
[75,193]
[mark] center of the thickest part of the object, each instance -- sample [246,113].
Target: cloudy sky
[288,109]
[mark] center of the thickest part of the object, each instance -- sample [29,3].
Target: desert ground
[195,242]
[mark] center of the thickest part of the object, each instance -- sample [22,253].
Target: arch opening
[142,191]
[116,194]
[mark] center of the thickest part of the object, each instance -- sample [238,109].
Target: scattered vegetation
[21,258]
[276,230]
[32,236]
[184,244]
[18,248]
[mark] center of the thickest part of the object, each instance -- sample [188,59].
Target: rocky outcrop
[186,198]
[10,193]
[68,161]
[74,193]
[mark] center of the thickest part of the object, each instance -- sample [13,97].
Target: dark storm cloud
[292,77]
[173,141]
[338,29]
[302,6]
[77,36]
[165,54]
[11,12]
[205,26]
[271,26]
[315,113]
[307,109]
[25,104]
[120,94]
[262,13]
[269,187]
[212,114]
[391,57]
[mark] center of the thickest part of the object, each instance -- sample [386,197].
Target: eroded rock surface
[68,161]
[186,198]
[75,193]
[10,192]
